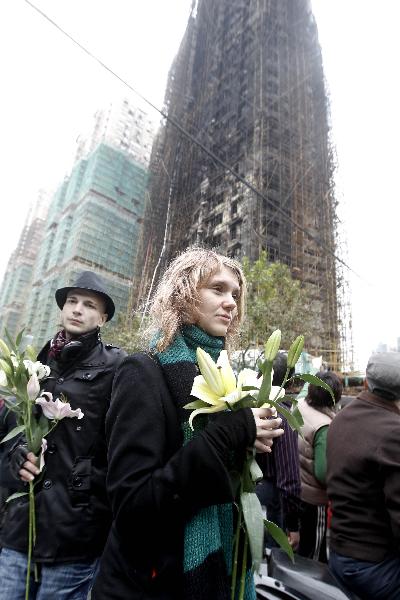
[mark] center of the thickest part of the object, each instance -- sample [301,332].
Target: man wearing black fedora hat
[72,511]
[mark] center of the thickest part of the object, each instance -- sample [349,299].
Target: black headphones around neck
[73,348]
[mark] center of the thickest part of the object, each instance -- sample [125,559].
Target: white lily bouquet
[20,376]
[217,389]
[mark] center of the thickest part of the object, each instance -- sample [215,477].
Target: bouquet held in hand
[37,413]
[218,389]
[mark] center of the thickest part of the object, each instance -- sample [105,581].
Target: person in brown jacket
[363,483]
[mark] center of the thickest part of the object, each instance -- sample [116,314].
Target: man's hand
[23,464]
[294,539]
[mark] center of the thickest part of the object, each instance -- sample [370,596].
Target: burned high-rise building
[248,86]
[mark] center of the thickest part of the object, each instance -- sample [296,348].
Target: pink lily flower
[56,409]
[42,451]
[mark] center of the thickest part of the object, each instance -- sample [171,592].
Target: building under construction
[256,170]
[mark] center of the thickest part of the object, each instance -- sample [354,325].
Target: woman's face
[218,298]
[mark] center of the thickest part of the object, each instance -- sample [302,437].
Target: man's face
[83,311]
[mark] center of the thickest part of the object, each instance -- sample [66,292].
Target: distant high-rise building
[17,281]
[123,126]
[93,224]
[382,347]
[248,85]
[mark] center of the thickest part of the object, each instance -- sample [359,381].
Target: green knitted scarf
[208,542]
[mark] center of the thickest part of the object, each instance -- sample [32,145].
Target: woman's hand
[267,428]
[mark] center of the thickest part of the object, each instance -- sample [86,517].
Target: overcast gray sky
[50,90]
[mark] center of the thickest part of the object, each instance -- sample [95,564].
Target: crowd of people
[135,504]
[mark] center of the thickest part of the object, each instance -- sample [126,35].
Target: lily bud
[210,372]
[295,351]
[4,348]
[272,345]
[3,379]
[6,367]
[33,387]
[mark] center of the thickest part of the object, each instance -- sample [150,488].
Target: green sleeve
[320,455]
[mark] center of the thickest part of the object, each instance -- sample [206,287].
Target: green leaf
[259,364]
[308,378]
[280,538]
[265,388]
[31,353]
[13,407]
[13,433]
[297,414]
[16,495]
[36,439]
[10,341]
[248,484]
[253,518]
[290,417]
[19,337]
[246,402]
[4,392]
[196,404]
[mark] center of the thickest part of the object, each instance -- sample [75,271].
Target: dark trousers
[269,497]
[370,581]
[313,521]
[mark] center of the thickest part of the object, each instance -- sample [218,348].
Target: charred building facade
[248,85]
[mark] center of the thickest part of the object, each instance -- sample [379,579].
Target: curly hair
[177,296]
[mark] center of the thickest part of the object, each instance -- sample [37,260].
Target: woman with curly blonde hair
[171,488]
[177,294]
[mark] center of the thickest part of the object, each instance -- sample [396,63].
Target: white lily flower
[217,385]
[57,409]
[37,367]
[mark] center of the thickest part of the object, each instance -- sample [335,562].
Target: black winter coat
[72,510]
[155,484]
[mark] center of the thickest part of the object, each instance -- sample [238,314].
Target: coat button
[60,380]
[51,448]
[77,481]
[47,483]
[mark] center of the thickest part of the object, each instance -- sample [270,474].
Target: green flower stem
[282,384]
[236,552]
[30,539]
[33,517]
[244,565]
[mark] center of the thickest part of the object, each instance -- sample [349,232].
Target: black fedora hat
[87,280]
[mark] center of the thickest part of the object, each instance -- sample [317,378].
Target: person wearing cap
[363,484]
[72,511]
